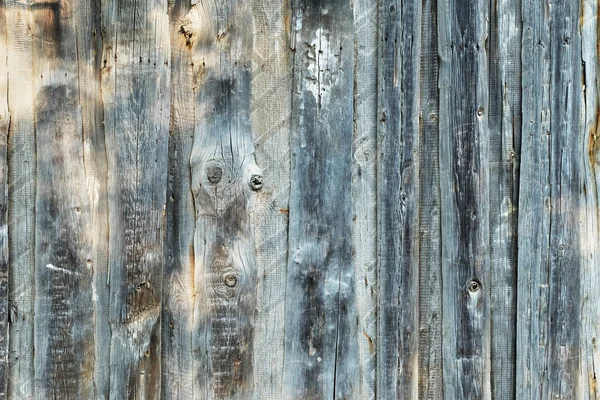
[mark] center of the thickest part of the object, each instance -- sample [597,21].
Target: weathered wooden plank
[504,151]
[270,114]
[321,339]
[224,178]
[551,186]
[178,285]
[364,190]
[63,323]
[430,250]
[464,175]
[21,203]
[590,243]
[398,198]
[136,95]
[4,124]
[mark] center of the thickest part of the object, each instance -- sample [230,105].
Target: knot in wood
[230,280]
[256,181]
[474,286]
[214,174]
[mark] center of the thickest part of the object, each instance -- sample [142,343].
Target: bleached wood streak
[224,179]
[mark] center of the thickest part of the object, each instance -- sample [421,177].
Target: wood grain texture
[224,179]
[21,202]
[270,114]
[551,186]
[364,190]
[398,199]
[504,152]
[430,246]
[4,124]
[136,96]
[321,339]
[590,243]
[178,284]
[64,328]
[464,179]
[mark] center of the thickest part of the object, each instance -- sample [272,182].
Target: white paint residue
[322,67]
[66,271]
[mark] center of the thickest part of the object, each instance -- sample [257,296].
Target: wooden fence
[299,199]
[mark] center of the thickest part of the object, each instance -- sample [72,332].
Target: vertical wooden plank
[21,203]
[136,95]
[4,124]
[270,114]
[590,243]
[320,344]
[364,190]
[504,151]
[464,175]
[548,326]
[430,250]
[178,284]
[224,178]
[398,198]
[64,329]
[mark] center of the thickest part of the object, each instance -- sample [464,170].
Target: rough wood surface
[321,342]
[464,179]
[136,95]
[21,202]
[4,124]
[224,179]
[398,199]
[551,187]
[64,333]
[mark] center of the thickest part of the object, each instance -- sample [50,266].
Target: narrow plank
[321,340]
[430,250]
[136,95]
[504,150]
[21,203]
[178,281]
[224,179]
[270,115]
[464,177]
[364,190]
[4,124]
[590,229]
[63,324]
[398,198]
[86,18]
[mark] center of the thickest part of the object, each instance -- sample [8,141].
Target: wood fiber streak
[364,190]
[178,283]
[224,178]
[64,323]
[270,114]
[136,98]
[4,125]
[321,346]
[464,175]
[430,250]
[21,202]
[551,188]
[504,151]
[398,198]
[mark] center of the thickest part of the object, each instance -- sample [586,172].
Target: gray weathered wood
[504,152]
[21,203]
[430,249]
[136,96]
[63,324]
[4,124]
[364,190]
[551,186]
[464,175]
[398,198]
[270,114]
[321,339]
[224,178]
[178,379]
